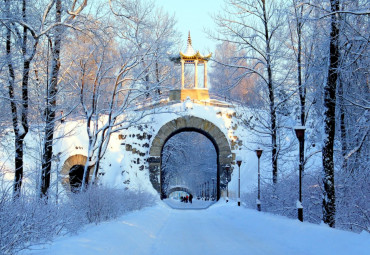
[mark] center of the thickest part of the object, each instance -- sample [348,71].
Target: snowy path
[220,229]
[197,204]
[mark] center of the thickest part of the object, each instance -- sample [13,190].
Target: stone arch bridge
[187,108]
[140,147]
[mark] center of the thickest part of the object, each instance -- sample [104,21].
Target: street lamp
[213,189]
[299,131]
[227,183]
[205,191]
[239,162]
[199,191]
[202,191]
[259,153]
[208,190]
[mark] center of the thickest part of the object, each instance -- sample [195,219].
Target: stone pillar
[182,73]
[205,74]
[155,172]
[196,74]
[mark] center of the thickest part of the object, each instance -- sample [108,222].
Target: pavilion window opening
[192,57]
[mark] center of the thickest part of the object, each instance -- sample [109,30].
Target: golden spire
[189,39]
[191,54]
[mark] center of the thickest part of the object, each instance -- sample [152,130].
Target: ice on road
[220,229]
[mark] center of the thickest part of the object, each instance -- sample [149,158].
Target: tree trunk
[90,154]
[158,90]
[274,154]
[19,134]
[343,129]
[51,105]
[329,120]
[24,105]
[11,80]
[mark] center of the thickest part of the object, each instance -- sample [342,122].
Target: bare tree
[19,36]
[115,76]
[353,96]
[166,40]
[231,82]
[23,34]
[334,86]
[254,26]
[59,27]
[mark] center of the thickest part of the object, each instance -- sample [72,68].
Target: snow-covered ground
[220,229]
[196,204]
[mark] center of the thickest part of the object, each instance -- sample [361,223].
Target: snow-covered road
[220,229]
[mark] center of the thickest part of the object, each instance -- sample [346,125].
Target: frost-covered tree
[19,38]
[255,27]
[118,64]
[343,27]
[329,52]
[60,23]
[25,25]
[230,81]
[164,40]
[353,95]
[149,30]
[329,118]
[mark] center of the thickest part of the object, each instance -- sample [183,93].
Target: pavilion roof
[191,54]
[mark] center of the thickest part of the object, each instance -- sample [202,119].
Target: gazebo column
[205,74]
[182,73]
[196,74]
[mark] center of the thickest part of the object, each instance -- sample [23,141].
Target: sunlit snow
[223,228]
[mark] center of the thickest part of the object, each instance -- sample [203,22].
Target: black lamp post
[227,183]
[259,153]
[213,189]
[199,191]
[209,193]
[239,162]
[205,190]
[202,192]
[299,131]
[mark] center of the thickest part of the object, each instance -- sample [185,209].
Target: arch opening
[72,172]
[221,144]
[76,174]
[189,164]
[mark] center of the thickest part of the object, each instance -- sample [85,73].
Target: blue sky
[194,15]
